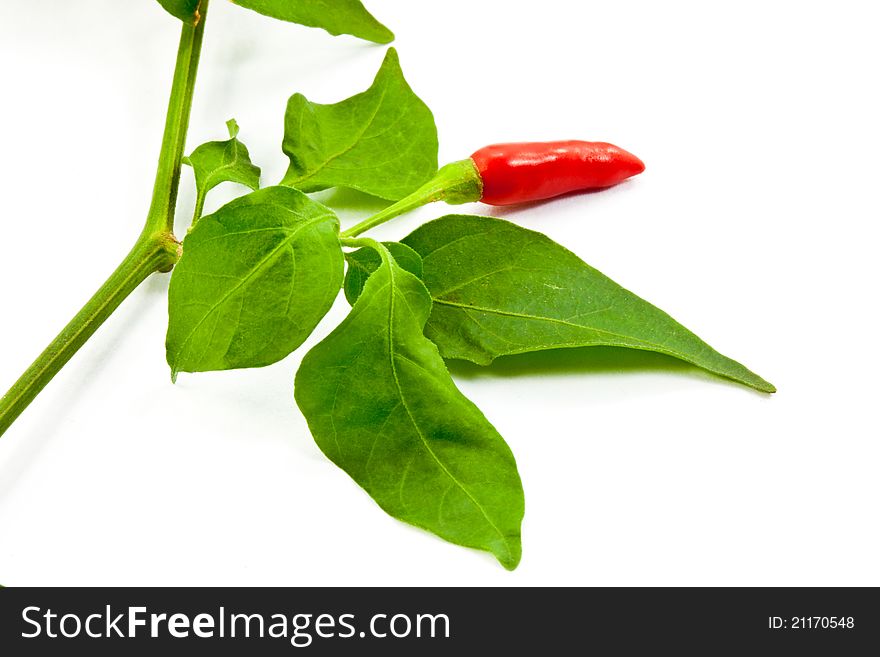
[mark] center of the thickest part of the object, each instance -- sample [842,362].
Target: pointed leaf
[335,16]
[499,289]
[382,141]
[382,406]
[365,261]
[217,162]
[254,280]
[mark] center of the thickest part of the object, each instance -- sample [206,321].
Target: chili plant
[251,281]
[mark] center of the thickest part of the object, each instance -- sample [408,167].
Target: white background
[755,225]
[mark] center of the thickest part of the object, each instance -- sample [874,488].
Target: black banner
[423,621]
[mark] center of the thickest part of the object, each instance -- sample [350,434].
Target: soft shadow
[511,210]
[351,200]
[81,375]
[581,360]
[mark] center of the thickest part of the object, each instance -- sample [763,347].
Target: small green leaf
[382,406]
[363,262]
[254,280]
[335,16]
[185,10]
[499,289]
[222,161]
[382,141]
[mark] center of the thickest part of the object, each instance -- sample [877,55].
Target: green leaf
[499,289]
[382,141]
[222,161]
[365,261]
[382,406]
[335,16]
[254,280]
[185,10]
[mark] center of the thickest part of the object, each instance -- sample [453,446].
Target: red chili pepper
[523,172]
[505,174]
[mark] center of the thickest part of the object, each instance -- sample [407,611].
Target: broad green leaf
[254,280]
[335,16]
[365,261]
[382,406]
[499,289]
[185,10]
[382,141]
[222,161]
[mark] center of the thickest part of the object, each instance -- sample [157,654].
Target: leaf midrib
[553,320]
[386,257]
[225,166]
[350,147]
[624,340]
[259,266]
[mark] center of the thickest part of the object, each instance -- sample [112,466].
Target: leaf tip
[232,126]
[509,554]
[758,383]
[768,387]
[387,36]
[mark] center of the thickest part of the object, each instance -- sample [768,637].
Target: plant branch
[161,215]
[144,259]
[154,251]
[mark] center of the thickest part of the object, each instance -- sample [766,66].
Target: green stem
[154,251]
[161,215]
[144,259]
[455,183]
[200,207]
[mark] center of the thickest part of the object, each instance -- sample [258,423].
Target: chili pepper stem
[455,183]
[156,250]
